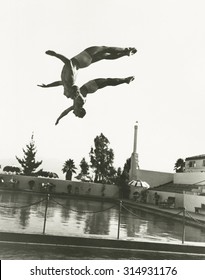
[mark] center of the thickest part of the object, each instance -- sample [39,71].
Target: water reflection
[97,224]
[76,217]
[65,214]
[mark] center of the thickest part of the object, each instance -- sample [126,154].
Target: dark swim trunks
[83,59]
[91,86]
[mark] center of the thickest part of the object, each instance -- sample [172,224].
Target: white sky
[166,98]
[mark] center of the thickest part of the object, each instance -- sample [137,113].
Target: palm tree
[179,165]
[69,169]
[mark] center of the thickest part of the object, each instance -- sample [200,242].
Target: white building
[195,164]
[153,178]
[194,173]
[188,187]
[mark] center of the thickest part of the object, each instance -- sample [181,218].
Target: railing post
[45,215]
[119,217]
[184,223]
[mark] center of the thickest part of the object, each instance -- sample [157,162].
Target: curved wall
[58,186]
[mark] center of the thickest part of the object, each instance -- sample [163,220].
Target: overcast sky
[166,97]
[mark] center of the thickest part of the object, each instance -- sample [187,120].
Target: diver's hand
[43,85]
[50,52]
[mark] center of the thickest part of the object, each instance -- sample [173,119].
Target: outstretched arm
[60,56]
[64,113]
[54,84]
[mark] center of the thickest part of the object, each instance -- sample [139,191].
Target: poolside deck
[102,244]
[193,219]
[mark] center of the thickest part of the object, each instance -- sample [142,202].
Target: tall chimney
[134,157]
[135,138]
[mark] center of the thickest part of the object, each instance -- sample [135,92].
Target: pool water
[88,218]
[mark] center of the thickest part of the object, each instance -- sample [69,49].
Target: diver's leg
[99,53]
[93,85]
[113,81]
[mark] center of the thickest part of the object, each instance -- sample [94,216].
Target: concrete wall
[61,186]
[187,200]
[190,178]
[179,200]
[164,195]
[154,178]
[193,200]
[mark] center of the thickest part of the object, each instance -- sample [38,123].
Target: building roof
[196,157]
[175,188]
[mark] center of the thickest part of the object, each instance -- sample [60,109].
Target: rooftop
[196,157]
[176,188]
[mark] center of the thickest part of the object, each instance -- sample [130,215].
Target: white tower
[134,157]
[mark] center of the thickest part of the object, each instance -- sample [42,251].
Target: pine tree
[122,179]
[84,172]
[102,158]
[84,167]
[28,163]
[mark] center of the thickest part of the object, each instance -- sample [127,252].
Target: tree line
[101,165]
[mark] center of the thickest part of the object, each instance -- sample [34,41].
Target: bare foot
[129,79]
[130,51]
